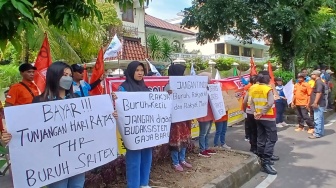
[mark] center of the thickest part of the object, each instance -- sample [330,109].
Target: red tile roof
[153,22]
[132,50]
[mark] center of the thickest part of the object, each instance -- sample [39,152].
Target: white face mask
[65,82]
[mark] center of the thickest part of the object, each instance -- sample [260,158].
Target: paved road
[304,163]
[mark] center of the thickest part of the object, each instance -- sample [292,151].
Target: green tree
[74,45]
[60,13]
[160,48]
[278,20]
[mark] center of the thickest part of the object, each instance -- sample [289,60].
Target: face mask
[65,82]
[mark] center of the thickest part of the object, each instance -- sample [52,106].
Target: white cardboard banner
[288,90]
[144,118]
[190,97]
[216,101]
[55,140]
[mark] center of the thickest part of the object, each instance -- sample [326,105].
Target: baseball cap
[77,68]
[26,66]
[316,72]
[329,71]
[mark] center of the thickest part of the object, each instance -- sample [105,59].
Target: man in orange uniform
[24,91]
[301,98]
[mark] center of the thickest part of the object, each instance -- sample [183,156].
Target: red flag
[42,62]
[253,70]
[270,72]
[85,76]
[97,72]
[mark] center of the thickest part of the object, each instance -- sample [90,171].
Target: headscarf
[130,84]
[176,70]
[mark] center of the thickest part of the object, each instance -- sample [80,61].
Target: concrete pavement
[304,163]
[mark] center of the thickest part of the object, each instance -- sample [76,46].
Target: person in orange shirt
[23,92]
[302,91]
[221,127]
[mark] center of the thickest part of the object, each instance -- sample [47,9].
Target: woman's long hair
[54,73]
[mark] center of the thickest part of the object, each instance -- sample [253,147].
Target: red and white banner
[157,83]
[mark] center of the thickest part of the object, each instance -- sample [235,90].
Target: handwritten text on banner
[190,97]
[59,139]
[216,101]
[144,118]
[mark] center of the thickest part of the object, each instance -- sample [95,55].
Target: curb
[292,119]
[239,175]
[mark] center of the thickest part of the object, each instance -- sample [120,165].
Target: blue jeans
[204,128]
[319,121]
[221,128]
[280,110]
[76,181]
[178,156]
[138,167]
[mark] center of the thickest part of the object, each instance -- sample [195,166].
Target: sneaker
[310,131]
[178,167]
[247,140]
[211,152]
[185,164]
[225,146]
[279,125]
[313,137]
[299,129]
[283,123]
[204,154]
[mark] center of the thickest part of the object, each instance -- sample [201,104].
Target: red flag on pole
[43,61]
[85,75]
[253,70]
[270,72]
[97,72]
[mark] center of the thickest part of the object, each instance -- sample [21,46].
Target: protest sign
[144,118]
[190,97]
[230,100]
[288,90]
[216,101]
[55,140]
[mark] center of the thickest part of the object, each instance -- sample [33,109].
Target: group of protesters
[265,105]
[66,82]
[264,112]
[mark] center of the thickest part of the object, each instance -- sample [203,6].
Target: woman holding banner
[138,162]
[180,132]
[58,87]
[205,124]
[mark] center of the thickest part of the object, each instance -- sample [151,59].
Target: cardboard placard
[230,100]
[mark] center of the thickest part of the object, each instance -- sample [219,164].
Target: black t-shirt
[319,87]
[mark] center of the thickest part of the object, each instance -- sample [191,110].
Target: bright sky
[167,9]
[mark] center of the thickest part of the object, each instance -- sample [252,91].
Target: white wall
[206,49]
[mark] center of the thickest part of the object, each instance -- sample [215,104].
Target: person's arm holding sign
[6,137]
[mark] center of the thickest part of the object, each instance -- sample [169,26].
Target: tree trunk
[288,48]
